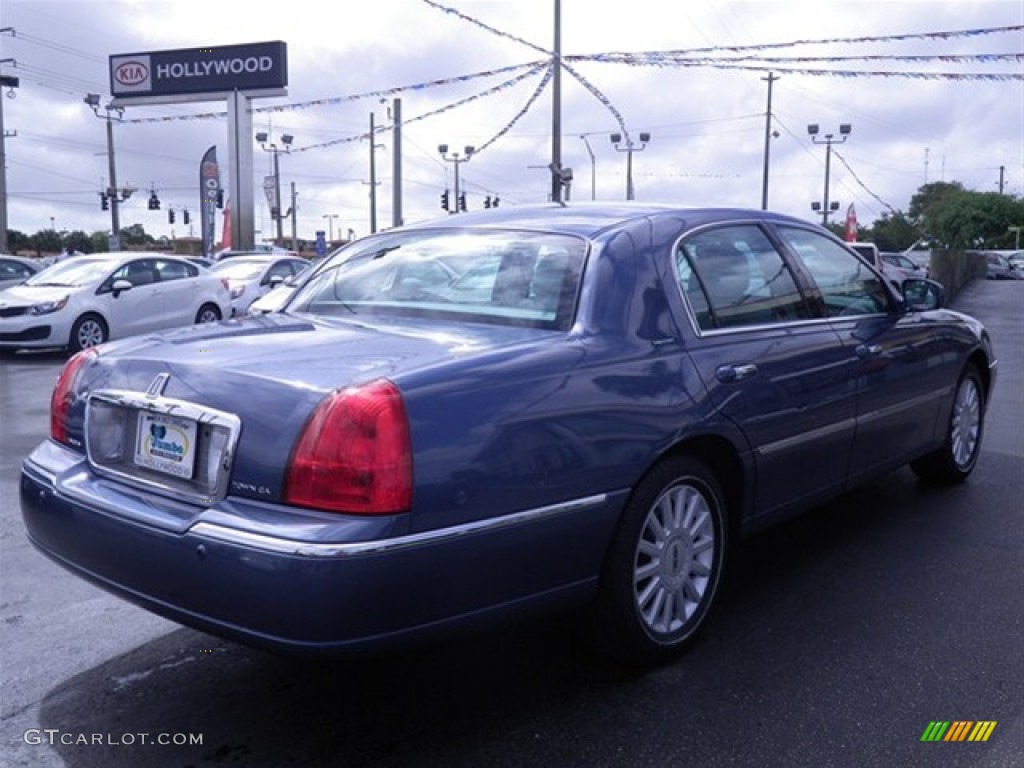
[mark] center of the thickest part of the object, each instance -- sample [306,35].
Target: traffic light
[445,206]
[462,201]
[170,215]
[153,203]
[495,201]
[487,202]
[185,217]
[104,201]
[220,198]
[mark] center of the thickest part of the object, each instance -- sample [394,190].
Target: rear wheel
[664,565]
[955,460]
[208,313]
[88,331]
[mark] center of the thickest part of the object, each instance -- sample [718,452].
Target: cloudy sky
[849,63]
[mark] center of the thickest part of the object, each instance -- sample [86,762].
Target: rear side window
[733,277]
[846,285]
[175,270]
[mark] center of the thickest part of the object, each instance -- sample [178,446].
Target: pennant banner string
[531,67]
[382,129]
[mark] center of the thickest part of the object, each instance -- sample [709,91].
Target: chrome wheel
[664,564]
[674,559]
[954,461]
[965,430]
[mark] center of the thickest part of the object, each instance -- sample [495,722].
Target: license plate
[166,444]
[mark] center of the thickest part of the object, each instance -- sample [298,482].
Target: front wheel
[208,313]
[664,565]
[88,331]
[955,460]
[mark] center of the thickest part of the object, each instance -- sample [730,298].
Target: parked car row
[90,299]
[511,410]
[1001,266]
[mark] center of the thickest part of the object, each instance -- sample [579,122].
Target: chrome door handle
[729,373]
[864,351]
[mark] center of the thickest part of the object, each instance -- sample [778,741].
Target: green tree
[135,236]
[18,241]
[894,232]
[46,241]
[78,241]
[930,196]
[975,219]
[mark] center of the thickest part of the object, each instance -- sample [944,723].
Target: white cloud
[707,124]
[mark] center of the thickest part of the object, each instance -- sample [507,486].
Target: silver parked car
[15,269]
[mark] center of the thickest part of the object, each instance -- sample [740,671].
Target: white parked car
[870,253]
[250,277]
[15,269]
[87,300]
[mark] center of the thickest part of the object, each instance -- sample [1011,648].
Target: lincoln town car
[535,408]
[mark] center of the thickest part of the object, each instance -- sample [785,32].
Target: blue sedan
[540,407]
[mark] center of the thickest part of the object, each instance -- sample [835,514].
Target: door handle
[730,373]
[865,351]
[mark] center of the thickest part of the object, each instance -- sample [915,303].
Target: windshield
[502,277]
[80,270]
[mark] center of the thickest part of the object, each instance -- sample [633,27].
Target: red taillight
[354,454]
[64,395]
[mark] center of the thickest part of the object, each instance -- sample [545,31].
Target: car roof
[35,263]
[590,219]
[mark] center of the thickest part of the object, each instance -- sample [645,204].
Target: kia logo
[131,73]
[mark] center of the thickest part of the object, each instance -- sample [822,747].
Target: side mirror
[921,294]
[121,285]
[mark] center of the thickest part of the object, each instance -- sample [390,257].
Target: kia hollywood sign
[217,69]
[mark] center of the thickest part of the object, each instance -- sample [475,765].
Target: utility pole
[772,77]
[556,109]
[11,83]
[396,163]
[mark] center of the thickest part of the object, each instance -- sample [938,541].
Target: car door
[898,362]
[771,366]
[135,310]
[178,292]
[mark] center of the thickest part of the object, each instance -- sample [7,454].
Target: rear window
[499,277]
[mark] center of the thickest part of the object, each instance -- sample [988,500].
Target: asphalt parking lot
[839,639]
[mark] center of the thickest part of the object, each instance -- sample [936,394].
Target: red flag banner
[851,224]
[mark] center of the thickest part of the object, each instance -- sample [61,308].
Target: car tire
[88,331]
[664,565]
[955,460]
[208,313]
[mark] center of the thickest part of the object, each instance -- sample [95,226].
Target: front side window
[141,272]
[733,276]
[501,277]
[846,284]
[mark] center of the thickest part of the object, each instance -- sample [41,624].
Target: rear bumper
[303,582]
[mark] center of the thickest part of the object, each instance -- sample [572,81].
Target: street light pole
[593,168]
[629,149]
[275,209]
[443,149]
[10,83]
[330,225]
[828,141]
[114,195]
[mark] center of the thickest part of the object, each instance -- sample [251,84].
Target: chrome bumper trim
[278,545]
